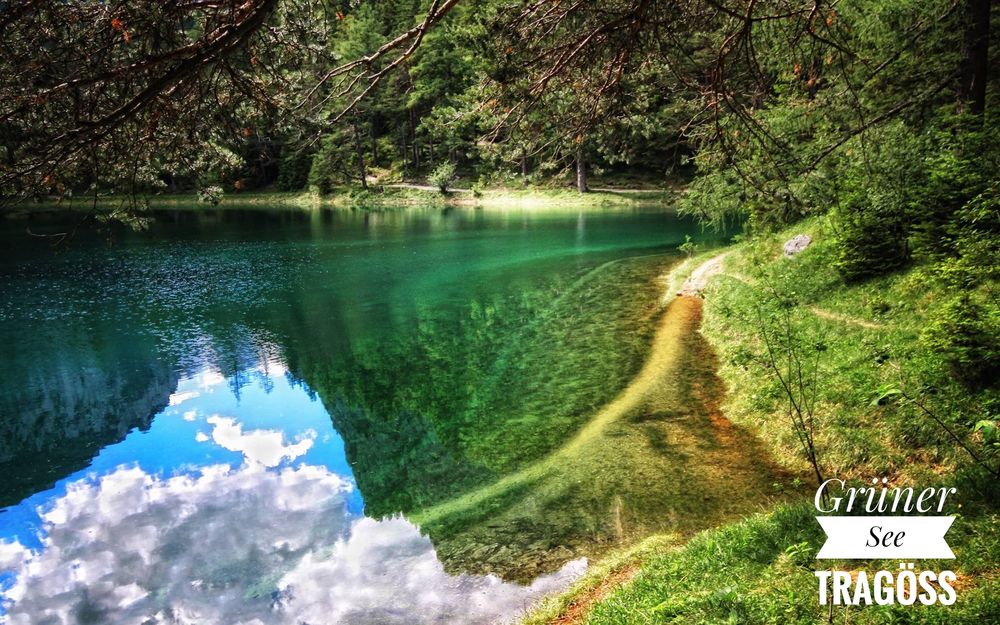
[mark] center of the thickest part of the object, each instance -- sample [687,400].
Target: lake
[334,416]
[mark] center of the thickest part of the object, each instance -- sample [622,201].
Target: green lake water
[278,414]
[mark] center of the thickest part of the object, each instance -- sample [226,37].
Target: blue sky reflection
[237,506]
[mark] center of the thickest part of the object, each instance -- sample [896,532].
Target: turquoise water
[229,416]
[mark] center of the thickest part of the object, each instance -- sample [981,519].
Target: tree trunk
[524,165]
[413,138]
[404,151]
[975,55]
[581,172]
[361,156]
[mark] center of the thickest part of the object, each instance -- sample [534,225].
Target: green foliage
[336,163]
[961,161]
[211,195]
[873,193]
[689,247]
[965,331]
[872,235]
[293,170]
[442,176]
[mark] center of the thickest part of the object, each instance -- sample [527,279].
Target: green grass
[760,570]
[594,584]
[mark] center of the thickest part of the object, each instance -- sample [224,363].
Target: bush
[212,194]
[966,332]
[961,162]
[872,236]
[293,170]
[442,176]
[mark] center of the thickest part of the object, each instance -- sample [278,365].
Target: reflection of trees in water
[456,402]
[399,462]
[473,393]
[390,401]
[63,403]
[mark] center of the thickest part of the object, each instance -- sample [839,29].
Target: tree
[975,54]
[88,85]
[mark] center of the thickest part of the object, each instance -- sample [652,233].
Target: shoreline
[388,197]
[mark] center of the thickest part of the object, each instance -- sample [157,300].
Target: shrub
[442,176]
[871,236]
[966,332]
[966,329]
[212,194]
[962,158]
[689,247]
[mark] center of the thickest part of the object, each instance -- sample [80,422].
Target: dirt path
[826,314]
[699,278]
[423,187]
[578,608]
[714,266]
[630,191]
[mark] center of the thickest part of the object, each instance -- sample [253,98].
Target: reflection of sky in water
[232,508]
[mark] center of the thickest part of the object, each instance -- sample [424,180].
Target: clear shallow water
[231,416]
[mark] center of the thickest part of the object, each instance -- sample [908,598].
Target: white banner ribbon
[878,537]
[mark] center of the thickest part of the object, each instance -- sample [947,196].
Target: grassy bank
[760,570]
[879,389]
[880,386]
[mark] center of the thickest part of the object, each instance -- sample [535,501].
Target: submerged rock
[796,244]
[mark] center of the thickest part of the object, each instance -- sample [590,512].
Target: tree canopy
[758,99]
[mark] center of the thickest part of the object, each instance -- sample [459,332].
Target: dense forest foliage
[876,112]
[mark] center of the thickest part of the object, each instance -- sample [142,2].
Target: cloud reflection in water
[271,538]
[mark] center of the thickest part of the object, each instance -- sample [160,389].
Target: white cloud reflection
[259,447]
[239,547]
